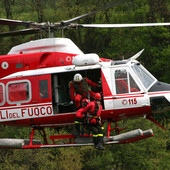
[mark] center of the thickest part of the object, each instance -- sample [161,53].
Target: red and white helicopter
[34,87]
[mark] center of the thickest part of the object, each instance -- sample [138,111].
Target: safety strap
[94,117]
[96,109]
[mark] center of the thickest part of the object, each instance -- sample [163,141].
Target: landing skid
[85,140]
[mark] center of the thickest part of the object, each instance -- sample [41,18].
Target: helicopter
[34,87]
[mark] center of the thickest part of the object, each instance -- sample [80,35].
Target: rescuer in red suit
[94,109]
[80,117]
[79,89]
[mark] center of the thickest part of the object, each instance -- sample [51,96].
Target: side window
[124,82]
[18,92]
[43,89]
[1,94]
[121,81]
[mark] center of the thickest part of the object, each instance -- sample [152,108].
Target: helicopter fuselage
[40,95]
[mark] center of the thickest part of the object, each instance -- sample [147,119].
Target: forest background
[114,43]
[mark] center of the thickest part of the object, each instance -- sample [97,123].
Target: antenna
[136,55]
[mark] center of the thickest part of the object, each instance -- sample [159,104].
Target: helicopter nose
[160,104]
[160,97]
[167,96]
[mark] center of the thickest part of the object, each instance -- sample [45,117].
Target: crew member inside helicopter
[122,86]
[79,89]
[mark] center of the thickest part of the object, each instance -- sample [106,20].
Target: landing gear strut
[116,128]
[32,134]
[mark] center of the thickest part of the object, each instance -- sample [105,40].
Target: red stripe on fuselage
[26,106]
[106,89]
[66,119]
[123,96]
[155,93]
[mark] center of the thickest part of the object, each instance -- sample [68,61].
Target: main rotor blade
[15,22]
[92,13]
[20,32]
[123,25]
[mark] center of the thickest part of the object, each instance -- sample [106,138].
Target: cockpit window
[124,82]
[133,86]
[145,78]
[121,79]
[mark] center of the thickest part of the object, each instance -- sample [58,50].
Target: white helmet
[77,77]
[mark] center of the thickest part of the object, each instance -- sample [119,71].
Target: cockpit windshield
[143,75]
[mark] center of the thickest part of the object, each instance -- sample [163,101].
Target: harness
[88,118]
[94,116]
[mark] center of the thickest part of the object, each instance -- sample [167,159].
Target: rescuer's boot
[95,140]
[100,143]
[100,147]
[76,131]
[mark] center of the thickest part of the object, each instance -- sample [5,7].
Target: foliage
[117,43]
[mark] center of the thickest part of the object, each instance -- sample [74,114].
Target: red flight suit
[123,86]
[79,113]
[79,90]
[94,108]
[94,111]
